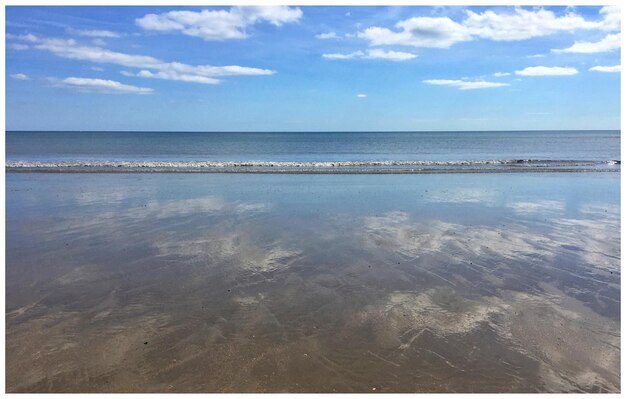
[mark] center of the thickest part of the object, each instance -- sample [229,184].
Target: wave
[389,166]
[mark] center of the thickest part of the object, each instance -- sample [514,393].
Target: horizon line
[309,131]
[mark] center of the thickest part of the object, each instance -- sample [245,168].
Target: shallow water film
[313,283]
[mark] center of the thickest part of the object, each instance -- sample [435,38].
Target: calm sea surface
[373,152]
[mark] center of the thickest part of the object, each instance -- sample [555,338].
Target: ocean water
[332,152]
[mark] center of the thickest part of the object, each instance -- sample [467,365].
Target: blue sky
[312,68]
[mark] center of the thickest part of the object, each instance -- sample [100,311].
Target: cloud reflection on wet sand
[226,295]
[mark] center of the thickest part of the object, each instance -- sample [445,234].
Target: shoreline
[306,172]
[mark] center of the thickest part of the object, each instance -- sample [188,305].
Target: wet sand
[313,283]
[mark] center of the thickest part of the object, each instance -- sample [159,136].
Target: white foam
[370,166]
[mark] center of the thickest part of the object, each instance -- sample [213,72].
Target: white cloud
[547,71]
[609,43]
[465,84]
[97,69]
[536,56]
[389,55]
[97,33]
[501,74]
[219,24]
[599,68]
[174,75]
[20,76]
[611,18]
[441,32]
[150,67]
[521,24]
[372,54]
[343,56]
[325,36]
[361,95]
[102,86]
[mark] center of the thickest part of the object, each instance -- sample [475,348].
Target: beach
[183,282]
[312,199]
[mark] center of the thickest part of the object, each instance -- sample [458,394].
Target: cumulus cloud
[547,71]
[102,86]
[501,74]
[325,36]
[599,68]
[361,95]
[611,18]
[609,43]
[439,32]
[20,76]
[218,24]
[521,24]
[372,54]
[150,67]
[465,84]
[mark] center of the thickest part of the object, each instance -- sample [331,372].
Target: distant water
[313,152]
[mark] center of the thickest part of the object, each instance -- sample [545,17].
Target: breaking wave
[393,166]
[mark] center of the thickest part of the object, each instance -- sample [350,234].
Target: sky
[279,68]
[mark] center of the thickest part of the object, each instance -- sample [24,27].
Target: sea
[314,152]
